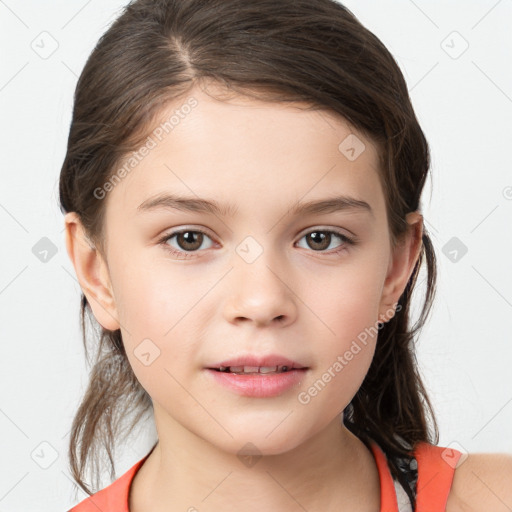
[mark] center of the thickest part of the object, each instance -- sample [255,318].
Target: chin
[258,442]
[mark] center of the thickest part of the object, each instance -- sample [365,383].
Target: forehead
[251,153]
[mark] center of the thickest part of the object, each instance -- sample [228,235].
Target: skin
[481,483]
[264,157]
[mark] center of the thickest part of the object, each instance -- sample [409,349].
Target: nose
[260,292]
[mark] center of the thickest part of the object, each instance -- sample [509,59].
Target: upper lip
[258,361]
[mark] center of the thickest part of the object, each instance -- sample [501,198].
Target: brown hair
[312,51]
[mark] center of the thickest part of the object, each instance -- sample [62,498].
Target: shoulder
[482,482]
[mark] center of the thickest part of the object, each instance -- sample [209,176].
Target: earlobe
[401,265]
[92,272]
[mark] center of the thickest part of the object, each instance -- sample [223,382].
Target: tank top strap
[388,497]
[426,478]
[436,468]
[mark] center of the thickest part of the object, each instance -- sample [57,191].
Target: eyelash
[184,255]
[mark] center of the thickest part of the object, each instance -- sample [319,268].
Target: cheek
[153,296]
[156,312]
[347,303]
[347,333]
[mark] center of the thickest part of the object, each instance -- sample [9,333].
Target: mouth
[251,364]
[256,370]
[262,377]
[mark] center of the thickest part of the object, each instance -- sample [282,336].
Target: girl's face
[269,275]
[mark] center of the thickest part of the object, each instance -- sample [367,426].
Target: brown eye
[320,240]
[189,240]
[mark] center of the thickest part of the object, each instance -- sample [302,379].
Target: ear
[92,272]
[403,259]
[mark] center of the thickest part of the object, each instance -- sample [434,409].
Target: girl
[241,189]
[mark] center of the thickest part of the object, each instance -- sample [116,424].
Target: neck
[332,470]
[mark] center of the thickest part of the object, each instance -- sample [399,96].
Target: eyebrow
[192,204]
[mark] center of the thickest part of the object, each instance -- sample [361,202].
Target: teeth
[268,369]
[250,369]
[253,369]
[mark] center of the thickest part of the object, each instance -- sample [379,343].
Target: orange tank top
[435,470]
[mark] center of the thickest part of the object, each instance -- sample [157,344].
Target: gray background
[456,60]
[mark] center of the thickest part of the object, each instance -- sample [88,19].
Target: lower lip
[259,385]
